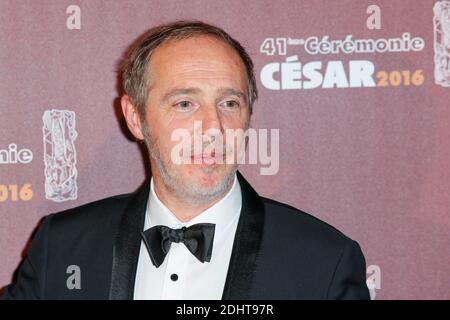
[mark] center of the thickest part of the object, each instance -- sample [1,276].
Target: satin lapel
[127,245]
[246,245]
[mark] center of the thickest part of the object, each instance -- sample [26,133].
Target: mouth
[207,159]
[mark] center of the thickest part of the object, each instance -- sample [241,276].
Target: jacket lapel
[127,245]
[242,265]
[246,245]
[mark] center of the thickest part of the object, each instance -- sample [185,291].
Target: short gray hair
[135,67]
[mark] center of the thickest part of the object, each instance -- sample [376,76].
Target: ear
[132,117]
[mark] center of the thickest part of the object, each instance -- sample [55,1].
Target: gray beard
[190,193]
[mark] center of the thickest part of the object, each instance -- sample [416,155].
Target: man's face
[191,80]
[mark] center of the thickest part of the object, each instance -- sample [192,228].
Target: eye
[184,105]
[230,104]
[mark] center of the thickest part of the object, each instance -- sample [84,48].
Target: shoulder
[298,225]
[98,215]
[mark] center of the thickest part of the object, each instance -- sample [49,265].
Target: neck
[182,208]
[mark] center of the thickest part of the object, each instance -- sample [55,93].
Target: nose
[211,119]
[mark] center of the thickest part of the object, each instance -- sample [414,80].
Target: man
[197,230]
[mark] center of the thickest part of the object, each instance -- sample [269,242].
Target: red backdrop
[369,155]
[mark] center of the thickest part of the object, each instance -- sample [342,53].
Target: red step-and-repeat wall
[359,91]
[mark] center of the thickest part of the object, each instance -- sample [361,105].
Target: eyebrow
[193,90]
[178,92]
[232,92]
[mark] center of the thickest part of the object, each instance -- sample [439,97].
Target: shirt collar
[222,213]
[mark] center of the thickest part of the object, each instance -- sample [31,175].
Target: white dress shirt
[182,275]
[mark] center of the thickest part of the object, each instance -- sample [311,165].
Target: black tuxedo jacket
[279,252]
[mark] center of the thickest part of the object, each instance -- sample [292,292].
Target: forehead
[196,58]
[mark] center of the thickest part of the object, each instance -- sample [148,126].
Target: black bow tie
[198,238]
